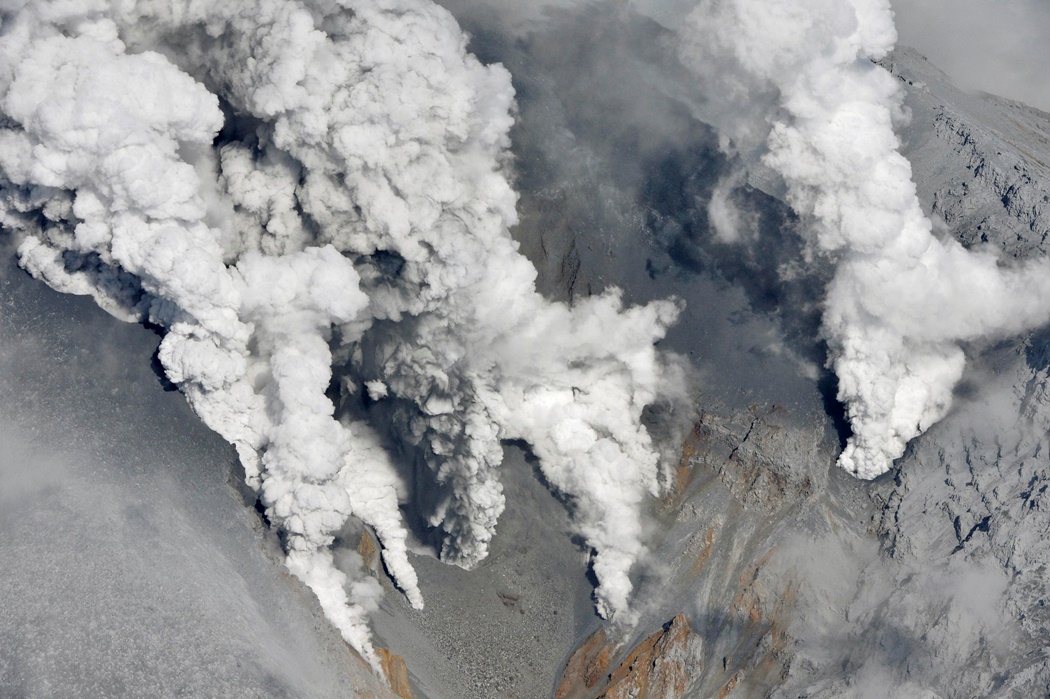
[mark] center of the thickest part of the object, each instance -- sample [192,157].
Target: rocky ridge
[981,162]
[928,582]
[662,665]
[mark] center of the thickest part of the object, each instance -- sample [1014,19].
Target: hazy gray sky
[999,46]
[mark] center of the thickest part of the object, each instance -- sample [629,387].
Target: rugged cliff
[930,581]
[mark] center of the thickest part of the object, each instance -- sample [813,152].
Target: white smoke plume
[285,186]
[902,299]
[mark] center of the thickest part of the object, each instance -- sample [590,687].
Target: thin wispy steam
[284,186]
[902,299]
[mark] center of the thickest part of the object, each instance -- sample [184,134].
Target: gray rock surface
[981,162]
[504,628]
[930,581]
[942,592]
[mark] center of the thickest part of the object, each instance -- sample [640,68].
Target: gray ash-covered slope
[132,566]
[503,628]
[800,581]
[981,162]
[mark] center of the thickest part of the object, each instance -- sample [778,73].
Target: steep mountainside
[770,571]
[134,563]
[930,581]
[981,162]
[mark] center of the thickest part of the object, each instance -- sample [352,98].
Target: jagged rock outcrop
[726,547]
[396,672]
[981,162]
[928,582]
[660,667]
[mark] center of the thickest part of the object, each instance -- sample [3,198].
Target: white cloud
[358,203]
[901,299]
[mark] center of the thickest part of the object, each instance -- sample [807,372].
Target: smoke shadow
[158,370]
[828,386]
[616,172]
[569,503]
[537,471]
[1037,351]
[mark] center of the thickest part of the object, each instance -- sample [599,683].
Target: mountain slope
[928,582]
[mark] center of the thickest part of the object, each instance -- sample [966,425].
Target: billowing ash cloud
[902,298]
[287,186]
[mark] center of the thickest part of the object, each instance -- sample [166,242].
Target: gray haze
[998,46]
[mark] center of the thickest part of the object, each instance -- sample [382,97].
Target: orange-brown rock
[729,687]
[764,606]
[660,667]
[368,550]
[396,672]
[691,447]
[586,668]
[701,548]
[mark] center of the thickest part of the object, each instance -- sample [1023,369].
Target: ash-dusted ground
[928,582]
[505,628]
[800,580]
[132,566]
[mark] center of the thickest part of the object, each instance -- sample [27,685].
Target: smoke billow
[287,186]
[902,299]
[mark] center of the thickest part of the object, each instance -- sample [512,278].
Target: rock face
[660,667]
[930,581]
[981,163]
[747,484]
[396,672]
[586,669]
